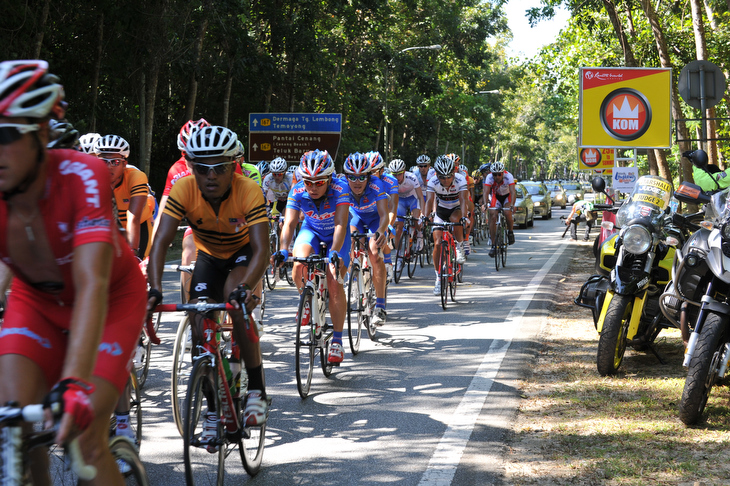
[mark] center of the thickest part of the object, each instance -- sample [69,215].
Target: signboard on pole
[625,107]
[595,158]
[624,178]
[289,135]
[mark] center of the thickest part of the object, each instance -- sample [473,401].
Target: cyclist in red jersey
[63,338]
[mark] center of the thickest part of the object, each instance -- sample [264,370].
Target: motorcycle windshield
[718,211]
[649,199]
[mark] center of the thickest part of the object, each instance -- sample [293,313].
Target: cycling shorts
[444,214]
[364,224]
[35,327]
[145,238]
[280,206]
[406,205]
[307,236]
[210,274]
[500,201]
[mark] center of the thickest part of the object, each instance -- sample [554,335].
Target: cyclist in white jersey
[277,183]
[447,196]
[410,196]
[501,185]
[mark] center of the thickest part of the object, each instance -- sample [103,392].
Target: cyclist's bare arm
[342,216]
[165,235]
[258,235]
[464,203]
[291,220]
[382,206]
[137,204]
[429,203]
[393,209]
[163,202]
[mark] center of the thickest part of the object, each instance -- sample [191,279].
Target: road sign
[690,86]
[625,107]
[595,158]
[289,135]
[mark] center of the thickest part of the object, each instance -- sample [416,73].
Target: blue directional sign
[295,122]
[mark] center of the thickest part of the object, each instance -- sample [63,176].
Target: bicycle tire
[412,264]
[181,369]
[369,303]
[196,458]
[304,345]
[251,447]
[497,245]
[122,449]
[505,245]
[452,275]
[354,308]
[142,368]
[400,255]
[444,275]
[324,352]
[135,408]
[428,245]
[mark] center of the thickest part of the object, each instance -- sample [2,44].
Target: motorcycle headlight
[725,232]
[637,239]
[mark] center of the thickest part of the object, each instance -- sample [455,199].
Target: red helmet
[186,130]
[28,90]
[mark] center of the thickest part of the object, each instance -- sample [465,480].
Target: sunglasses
[112,162]
[496,173]
[204,169]
[11,132]
[399,173]
[357,178]
[422,165]
[318,183]
[278,173]
[443,178]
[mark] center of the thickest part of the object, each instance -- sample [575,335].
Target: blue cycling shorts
[309,237]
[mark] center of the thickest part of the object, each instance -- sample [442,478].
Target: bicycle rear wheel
[400,256]
[355,315]
[142,358]
[453,275]
[324,352]
[444,276]
[182,365]
[304,346]
[123,450]
[201,466]
[504,246]
[412,256]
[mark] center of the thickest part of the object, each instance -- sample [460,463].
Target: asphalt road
[429,403]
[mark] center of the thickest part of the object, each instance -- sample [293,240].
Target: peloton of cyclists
[377,164]
[410,198]
[499,187]
[369,211]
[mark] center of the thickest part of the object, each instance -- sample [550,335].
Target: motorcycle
[625,304]
[700,299]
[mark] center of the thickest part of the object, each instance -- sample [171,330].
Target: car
[586,186]
[573,191]
[540,198]
[557,194]
[524,215]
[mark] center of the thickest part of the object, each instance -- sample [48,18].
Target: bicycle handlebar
[182,268]
[203,307]
[34,413]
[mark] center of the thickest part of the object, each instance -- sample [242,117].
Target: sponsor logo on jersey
[87,176]
[114,349]
[86,225]
[24,331]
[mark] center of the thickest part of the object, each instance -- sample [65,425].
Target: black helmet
[698,157]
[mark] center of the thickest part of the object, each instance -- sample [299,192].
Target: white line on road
[442,466]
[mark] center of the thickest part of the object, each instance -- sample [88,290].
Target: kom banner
[625,107]
[595,158]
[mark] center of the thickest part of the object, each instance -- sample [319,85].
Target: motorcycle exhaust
[690,349]
[683,323]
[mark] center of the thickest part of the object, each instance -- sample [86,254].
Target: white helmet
[444,165]
[397,165]
[111,145]
[212,141]
[187,129]
[87,141]
[357,164]
[423,160]
[376,160]
[28,90]
[278,165]
[498,166]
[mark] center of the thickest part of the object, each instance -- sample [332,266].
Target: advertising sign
[595,158]
[624,178]
[625,107]
[289,135]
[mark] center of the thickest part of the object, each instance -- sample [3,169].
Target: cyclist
[410,196]
[447,197]
[178,170]
[369,210]
[135,208]
[377,164]
[62,331]
[228,216]
[248,170]
[499,186]
[263,168]
[277,185]
[462,169]
[325,202]
[478,186]
[424,173]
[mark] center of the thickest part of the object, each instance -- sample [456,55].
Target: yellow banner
[595,158]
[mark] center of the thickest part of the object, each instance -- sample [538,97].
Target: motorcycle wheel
[702,373]
[612,343]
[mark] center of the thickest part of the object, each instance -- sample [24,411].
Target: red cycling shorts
[35,327]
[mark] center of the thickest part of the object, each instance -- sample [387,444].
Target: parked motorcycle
[700,297]
[639,258]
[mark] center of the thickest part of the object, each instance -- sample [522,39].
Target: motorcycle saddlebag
[592,294]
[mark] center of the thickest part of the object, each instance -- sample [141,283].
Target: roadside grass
[575,427]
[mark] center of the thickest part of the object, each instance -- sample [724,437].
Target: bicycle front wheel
[504,246]
[202,467]
[304,346]
[453,269]
[497,246]
[354,309]
[253,439]
[369,302]
[400,256]
[142,357]
[124,451]
[182,365]
[444,275]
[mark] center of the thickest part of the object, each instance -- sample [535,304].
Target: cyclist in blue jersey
[410,197]
[369,211]
[325,203]
[377,165]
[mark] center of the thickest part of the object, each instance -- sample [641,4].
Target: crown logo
[626,111]
[591,156]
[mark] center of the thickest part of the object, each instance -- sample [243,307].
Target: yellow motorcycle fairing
[607,257]
[636,312]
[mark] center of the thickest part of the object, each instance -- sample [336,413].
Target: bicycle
[501,240]
[426,253]
[406,253]
[314,333]
[272,274]
[209,375]
[360,293]
[449,270]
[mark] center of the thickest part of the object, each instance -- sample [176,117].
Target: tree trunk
[629,58]
[41,29]
[142,119]
[149,113]
[651,158]
[193,80]
[97,71]
[227,94]
[380,130]
[711,15]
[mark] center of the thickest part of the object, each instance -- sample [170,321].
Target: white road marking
[445,459]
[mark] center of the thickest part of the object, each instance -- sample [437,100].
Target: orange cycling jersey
[223,234]
[134,183]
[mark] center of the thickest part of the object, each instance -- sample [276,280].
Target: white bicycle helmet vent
[444,165]
[213,141]
[186,130]
[397,165]
[28,90]
[357,164]
[278,165]
[316,164]
[423,159]
[498,166]
[376,160]
[111,145]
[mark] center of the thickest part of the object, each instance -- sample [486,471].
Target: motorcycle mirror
[598,184]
